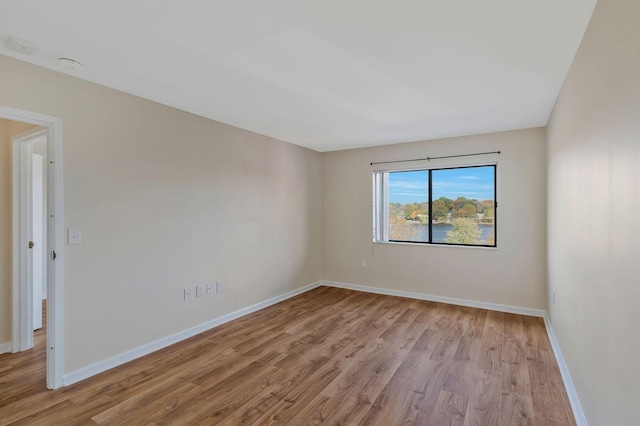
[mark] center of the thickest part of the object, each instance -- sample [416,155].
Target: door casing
[22,315]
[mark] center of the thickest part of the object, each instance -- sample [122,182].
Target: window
[451,206]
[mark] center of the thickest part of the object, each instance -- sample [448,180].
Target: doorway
[48,161]
[30,207]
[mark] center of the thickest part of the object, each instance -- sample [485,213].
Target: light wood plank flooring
[328,356]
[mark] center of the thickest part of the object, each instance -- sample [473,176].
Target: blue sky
[472,182]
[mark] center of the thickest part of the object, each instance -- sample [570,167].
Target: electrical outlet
[199,291]
[219,287]
[209,288]
[363,263]
[187,294]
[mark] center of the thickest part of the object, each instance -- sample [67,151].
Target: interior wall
[513,274]
[594,229]
[167,200]
[5,233]
[17,127]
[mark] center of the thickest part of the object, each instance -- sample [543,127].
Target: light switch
[74,236]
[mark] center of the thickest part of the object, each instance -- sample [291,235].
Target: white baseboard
[578,413]
[107,364]
[5,347]
[443,299]
[564,371]
[99,367]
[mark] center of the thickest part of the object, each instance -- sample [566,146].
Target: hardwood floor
[328,356]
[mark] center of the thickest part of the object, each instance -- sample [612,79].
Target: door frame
[38,162]
[22,304]
[22,270]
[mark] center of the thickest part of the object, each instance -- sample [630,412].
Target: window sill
[433,245]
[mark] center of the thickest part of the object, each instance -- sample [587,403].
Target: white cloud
[408,185]
[419,194]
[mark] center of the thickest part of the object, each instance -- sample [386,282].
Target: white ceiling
[324,74]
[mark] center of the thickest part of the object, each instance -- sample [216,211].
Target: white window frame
[381,204]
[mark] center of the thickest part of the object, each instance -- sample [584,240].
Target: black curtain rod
[437,158]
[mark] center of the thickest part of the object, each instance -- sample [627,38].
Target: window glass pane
[463,206]
[409,206]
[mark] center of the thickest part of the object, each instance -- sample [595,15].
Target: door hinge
[53,255]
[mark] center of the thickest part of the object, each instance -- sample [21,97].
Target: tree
[395,208]
[464,231]
[447,202]
[403,230]
[440,210]
[470,210]
[456,213]
[408,210]
[412,211]
[459,203]
[491,240]
[488,210]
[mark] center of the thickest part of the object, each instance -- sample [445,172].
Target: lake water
[440,232]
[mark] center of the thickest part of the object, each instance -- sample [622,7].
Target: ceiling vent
[69,64]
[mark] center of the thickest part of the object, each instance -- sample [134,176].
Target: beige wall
[17,127]
[512,274]
[5,232]
[165,200]
[594,227]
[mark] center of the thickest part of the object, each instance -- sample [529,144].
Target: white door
[37,217]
